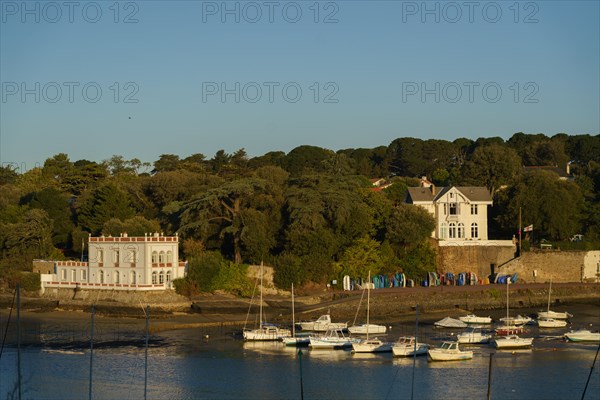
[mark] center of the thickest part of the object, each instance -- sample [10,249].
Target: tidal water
[184,364]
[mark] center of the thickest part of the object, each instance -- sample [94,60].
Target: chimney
[433,189]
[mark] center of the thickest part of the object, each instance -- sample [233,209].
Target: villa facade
[149,262]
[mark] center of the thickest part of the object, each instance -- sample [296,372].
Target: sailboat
[549,318]
[363,329]
[265,331]
[511,339]
[509,329]
[294,340]
[370,345]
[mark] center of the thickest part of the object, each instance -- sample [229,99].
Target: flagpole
[520,232]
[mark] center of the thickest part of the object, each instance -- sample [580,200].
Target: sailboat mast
[549,291]
[507,282]
[293,313]
[260,318]
[368,302]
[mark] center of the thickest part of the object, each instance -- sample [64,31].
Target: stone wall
[558,266]
[481,259]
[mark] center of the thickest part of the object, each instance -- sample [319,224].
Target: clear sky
[144,78]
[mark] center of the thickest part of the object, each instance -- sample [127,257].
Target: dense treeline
[311,213]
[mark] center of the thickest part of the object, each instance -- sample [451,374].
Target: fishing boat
[583,335]
[513,342]
[294,340]
[265,331]
[332,339]
[508,329]
[551,323]
[553,314]
[449,322]
[474,319]
[373,345]
[322,324]
[405,347]
[449,351]
[474,336]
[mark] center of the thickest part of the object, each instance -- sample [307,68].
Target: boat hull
[436,355]
[364,330]
[369,346]
[513,343]
[409,350]
[583,336]
[554,315]
[266,335]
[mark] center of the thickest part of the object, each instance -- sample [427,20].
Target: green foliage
[418,260]
[136,226]
[56,204]
[233,278]
[492,166]
[288,270]
[209,271]
[102,204]
[29,281]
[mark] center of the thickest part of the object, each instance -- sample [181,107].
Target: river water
[183,364]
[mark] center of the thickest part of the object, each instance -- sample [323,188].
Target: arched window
[154,278]
[168,276]
[132,256]
[474,230]
[154,257]
[452,231]
[169,256]
[132,277]
[443,231]
[161,257]
[101,275]
[100,256]
[117,277]
[161,277]
[461,230]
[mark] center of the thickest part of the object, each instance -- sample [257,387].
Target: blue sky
[345,74]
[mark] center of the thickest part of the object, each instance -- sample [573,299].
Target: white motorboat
[405,347]
[513,342]
[449,351]
[553,314]
[583,335]
[371,346]
[332,339]
[517,321]
[450,323]
[474,336]
[322,324]
[474,319]
[551,323]
[264,331]
[362,329]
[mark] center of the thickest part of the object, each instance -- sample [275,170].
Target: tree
[166,162]
[492,166]
[553,206]
[58,207]
[219,212]
[102,204]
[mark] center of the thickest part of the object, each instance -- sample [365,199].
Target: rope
[8,323]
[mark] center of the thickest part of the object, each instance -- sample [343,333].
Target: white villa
[149,262]
[460,212]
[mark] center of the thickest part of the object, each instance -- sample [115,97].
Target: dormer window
[453,209]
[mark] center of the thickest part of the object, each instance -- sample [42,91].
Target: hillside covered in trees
[311,213]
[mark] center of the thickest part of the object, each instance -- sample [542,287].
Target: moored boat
[551,323]
[449,322]
[322,324]
[518,320]
[371,346]
[474,319]
[583,335]
[449,351]
[554,314]
[332,339]
[513,342]
[405,347]
[363,329]
[266,332]
[473,336]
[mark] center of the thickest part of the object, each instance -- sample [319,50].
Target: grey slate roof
[423,194]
